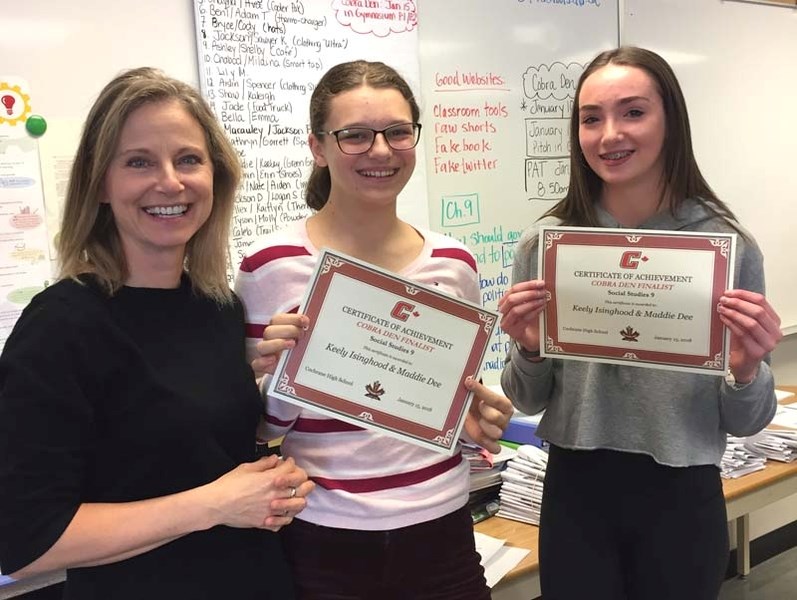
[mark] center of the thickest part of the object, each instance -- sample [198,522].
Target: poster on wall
[24,262]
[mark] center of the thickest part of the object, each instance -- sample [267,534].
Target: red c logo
[402,310]
[630,259]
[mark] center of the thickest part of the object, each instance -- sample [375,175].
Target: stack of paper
[521,489]
[777,444]
[740,460]
[485,479]
[479,459]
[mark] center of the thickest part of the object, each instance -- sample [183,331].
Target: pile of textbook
[521,489]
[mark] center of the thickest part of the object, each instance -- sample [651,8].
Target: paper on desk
[497,559]
[786,416]
[486,546]
[781,395]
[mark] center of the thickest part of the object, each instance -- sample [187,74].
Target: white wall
[67,51]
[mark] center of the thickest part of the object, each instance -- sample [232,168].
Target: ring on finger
[293,492]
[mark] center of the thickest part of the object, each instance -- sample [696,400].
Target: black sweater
[115,399]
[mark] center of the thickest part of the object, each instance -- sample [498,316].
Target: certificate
[385,353]
[636,297]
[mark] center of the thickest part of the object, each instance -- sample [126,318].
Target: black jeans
[436,560]
[619,526]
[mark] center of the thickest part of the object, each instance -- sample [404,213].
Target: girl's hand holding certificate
[282,333]
[755,331]
[520,308]
[488,415]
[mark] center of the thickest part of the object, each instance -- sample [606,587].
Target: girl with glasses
[388,519]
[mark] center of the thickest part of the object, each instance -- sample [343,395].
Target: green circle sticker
[36,125]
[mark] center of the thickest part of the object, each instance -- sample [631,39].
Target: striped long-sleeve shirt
[364,479]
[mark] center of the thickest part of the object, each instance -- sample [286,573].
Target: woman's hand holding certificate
[488,416]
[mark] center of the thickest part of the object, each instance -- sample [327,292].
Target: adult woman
[128,454]
[388,519]
[633,504]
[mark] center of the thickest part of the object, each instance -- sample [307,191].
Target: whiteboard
[498,81]
[737,64]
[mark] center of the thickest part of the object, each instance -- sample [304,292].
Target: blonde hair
[89,242]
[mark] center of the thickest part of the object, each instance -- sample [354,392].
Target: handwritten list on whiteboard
[259,62]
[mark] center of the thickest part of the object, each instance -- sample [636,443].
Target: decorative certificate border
[366,389]
[643,332]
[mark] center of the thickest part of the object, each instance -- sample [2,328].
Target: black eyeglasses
[359,140]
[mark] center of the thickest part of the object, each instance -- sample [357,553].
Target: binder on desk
[522,429]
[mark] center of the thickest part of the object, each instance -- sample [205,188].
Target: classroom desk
[522,582]
[754,491]
[742,497]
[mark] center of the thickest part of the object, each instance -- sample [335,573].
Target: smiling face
[376,177]
[622,127]
[159,185]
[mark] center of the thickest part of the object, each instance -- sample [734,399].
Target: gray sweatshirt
[680,419]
